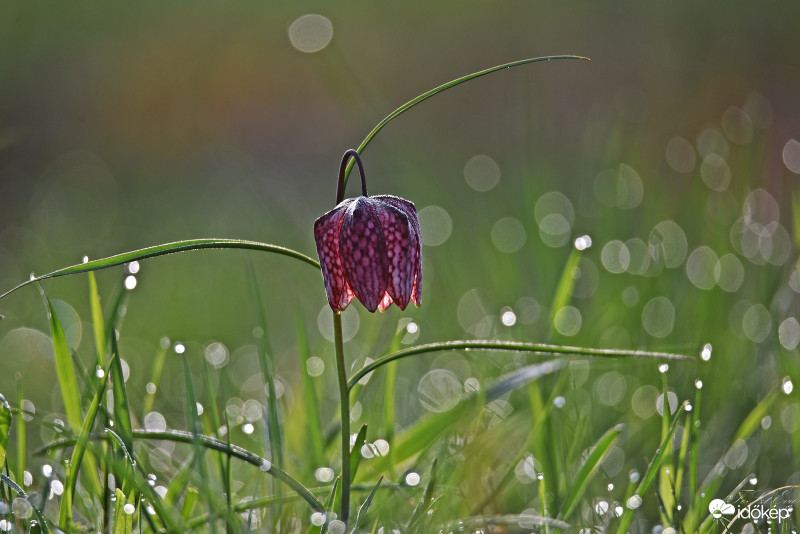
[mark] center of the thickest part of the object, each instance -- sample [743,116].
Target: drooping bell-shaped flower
[370,248]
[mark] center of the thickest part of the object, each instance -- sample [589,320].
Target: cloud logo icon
[718,508]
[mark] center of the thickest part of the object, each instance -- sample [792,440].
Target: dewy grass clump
[369,248]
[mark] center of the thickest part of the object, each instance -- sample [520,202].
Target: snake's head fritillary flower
[369,247]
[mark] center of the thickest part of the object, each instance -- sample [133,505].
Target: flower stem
[344,397]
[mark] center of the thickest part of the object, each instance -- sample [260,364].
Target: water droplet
[47,470]
[559,401]
[130,282]
[129,508]
[317,519]
[787,385]
[412,478]
[412,328]
[663,368]
[133,267]
[583,242]
[634,502]
[179,348]
[698,383]
[687,408]
[601,507]
[265,465]
[753,481]
[99,372]
[85,259]
[150,388]
[324,474]
[508,318]
[610,487]
[248,428]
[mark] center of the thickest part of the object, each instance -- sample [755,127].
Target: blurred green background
[674,149]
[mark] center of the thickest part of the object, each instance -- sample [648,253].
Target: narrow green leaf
[162,250]
[158,369]
[579,486]
[364,508]
[208,442]
[436,90]
[123,521]
[542,349]
[355,451]
[5,428]
[189,501]
[22,448]
[70,394]
[74,466]
[565,287]
[122,413]
[313,421]
[98,324]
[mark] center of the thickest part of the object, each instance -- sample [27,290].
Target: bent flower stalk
[369,247]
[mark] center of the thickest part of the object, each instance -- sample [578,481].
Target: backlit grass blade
[98,324]
[74,465]
[39,516]
[155,378]
[122,414]
[436,90]
[22,448]
[633,501]
[189,502]
[5,428]
[427,499]
[364,508]
[581,483]
[355,452]
[123,520]
[542,349]
[167,248]
[70,394]
[313,421]
[208,442]
[565,287]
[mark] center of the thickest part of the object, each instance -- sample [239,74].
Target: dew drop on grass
[766,422]
[412,479]
[27,478]
[786,385]
[583,242]
[634,502]
[21,508]
[601,507]
[508,318]
[47,470]
[698,383]
[705,354]
[130,282]
[559,401]
[663,368]
[129,509]
[265,465]
[179,348]
[610,487]
[317,519]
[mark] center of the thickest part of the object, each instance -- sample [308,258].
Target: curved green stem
[513,346]
[426,95]
[344,398]
[167,248]
[209,442]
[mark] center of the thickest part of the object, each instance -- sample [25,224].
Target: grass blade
[566,284]
[22,448]
[211,443]
[355,452]
[68,384]
[5,428]
[589,467]
[158,369]
[98,324]
[364,508]
[123,521]
[122,414]
[74,466]
[436,90]
[162,250]
[543,349]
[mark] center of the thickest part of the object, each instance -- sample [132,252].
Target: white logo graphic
[718,508]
